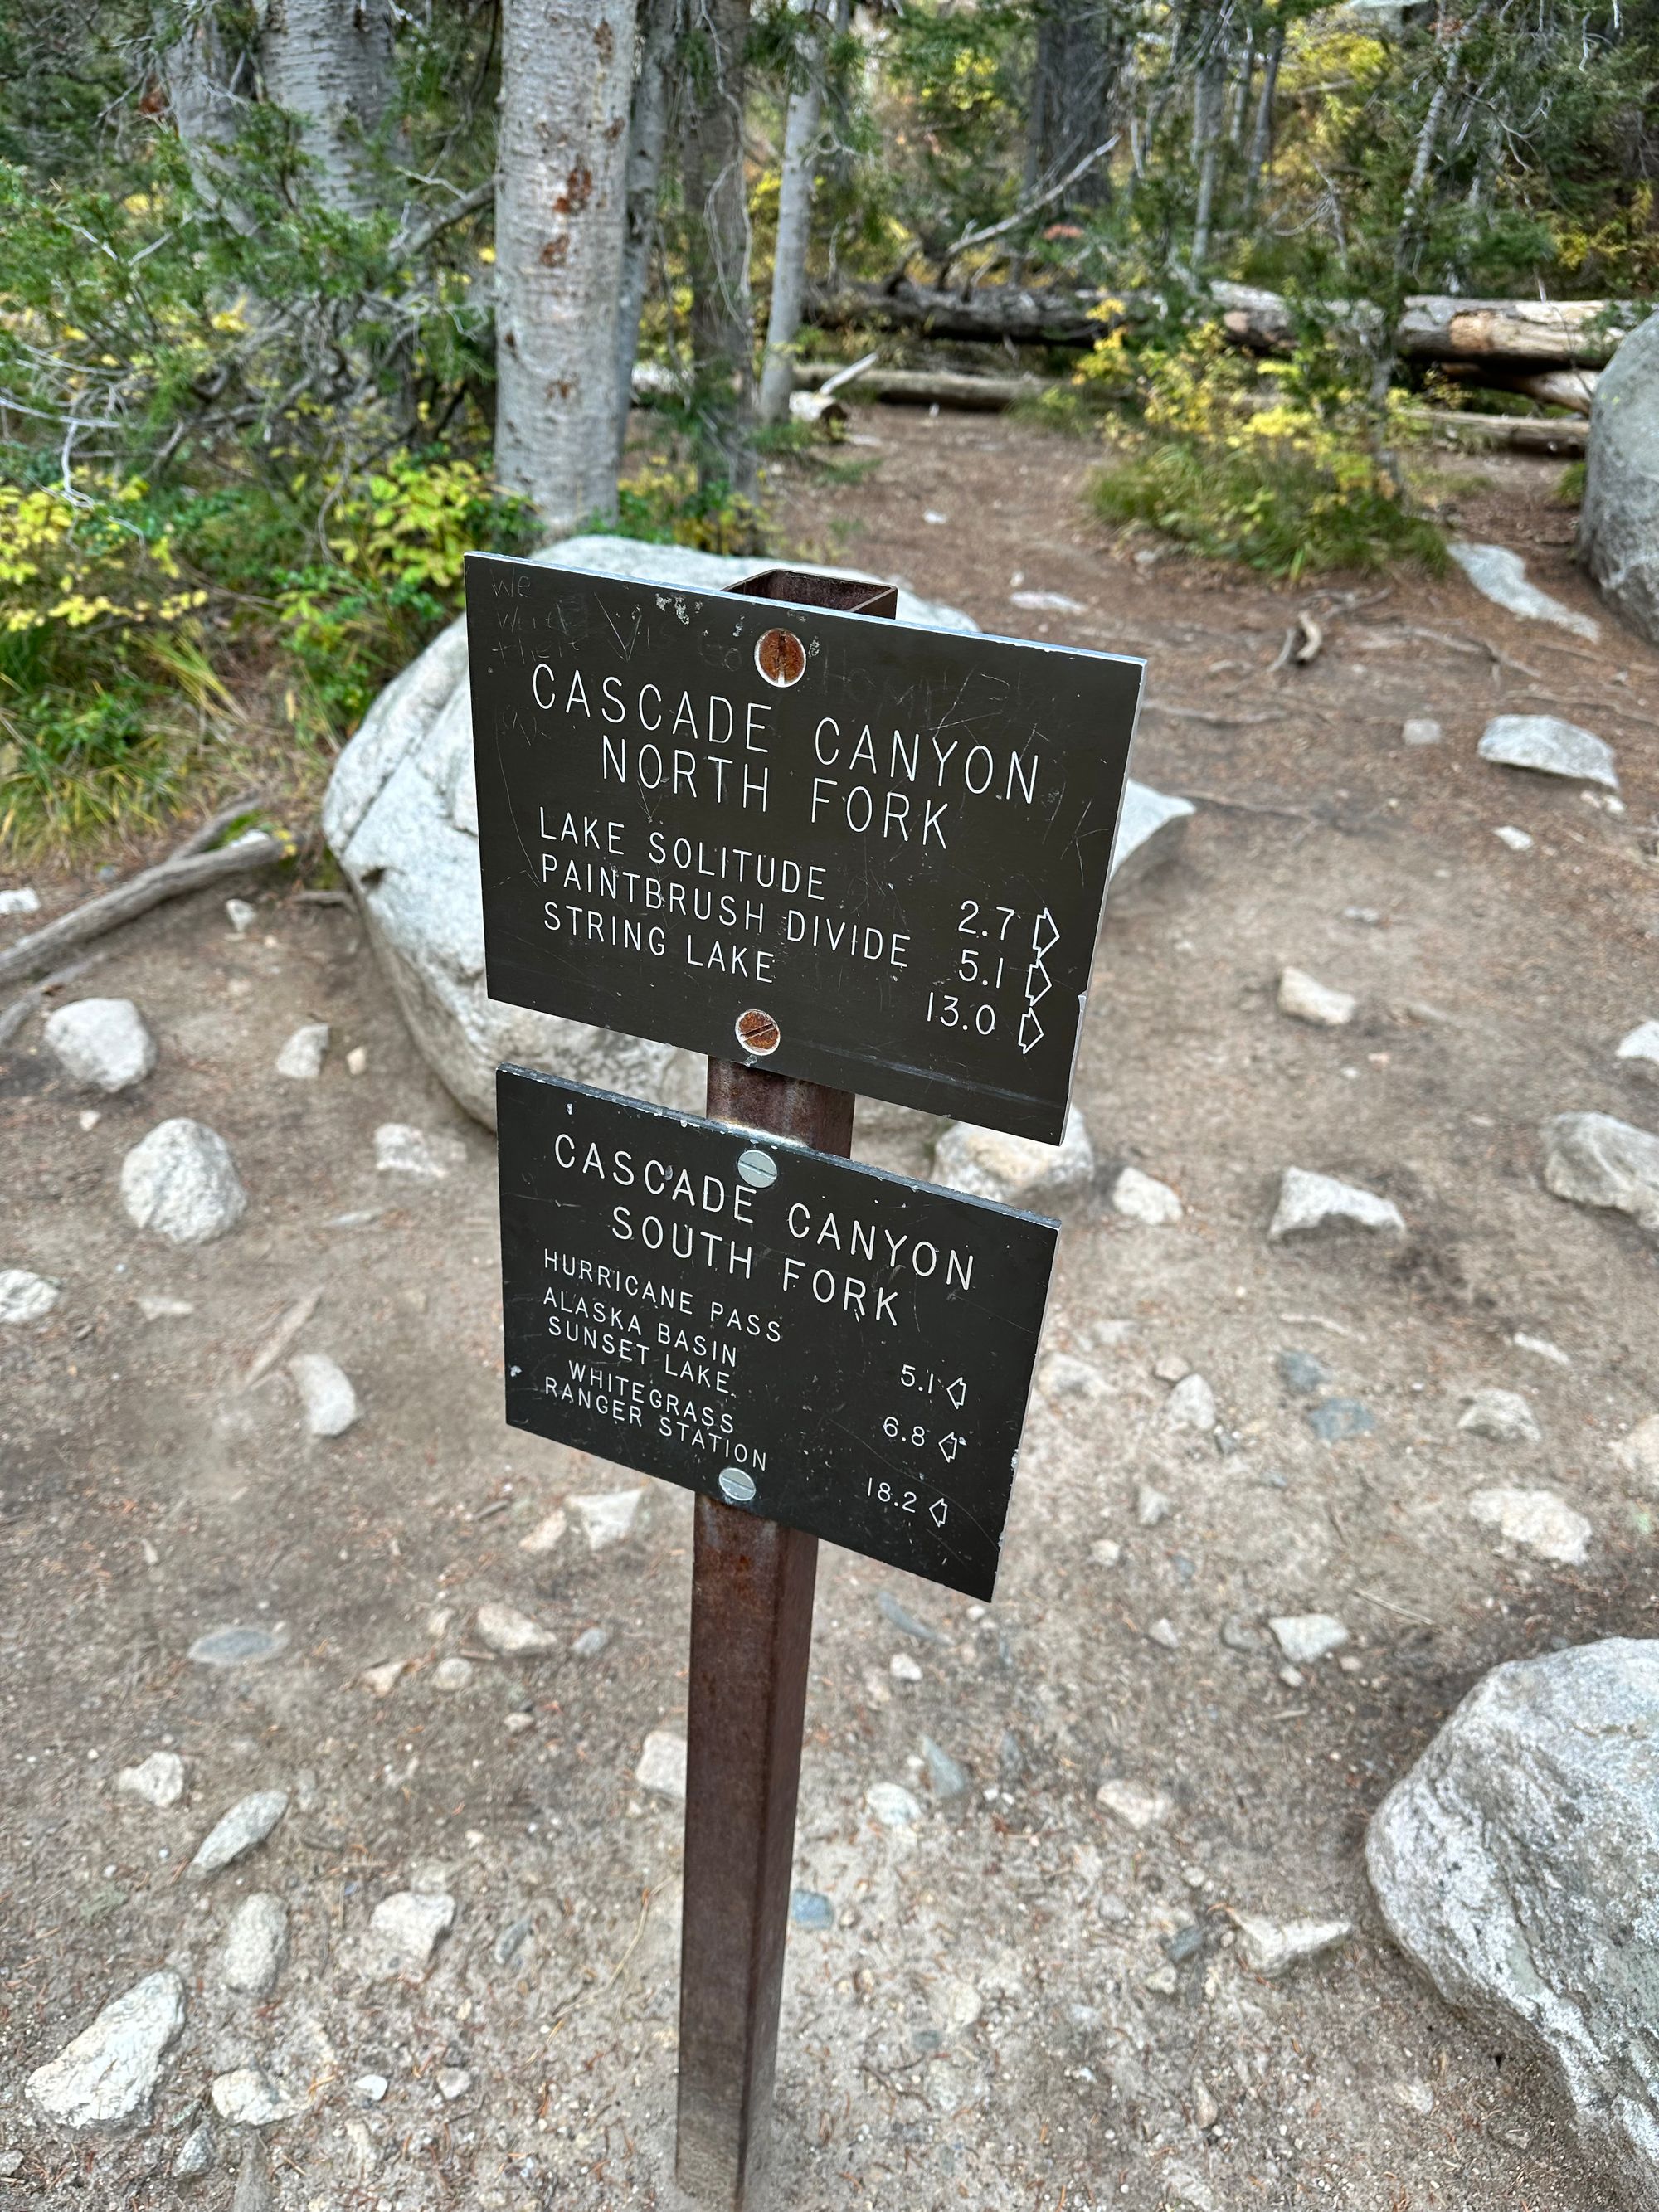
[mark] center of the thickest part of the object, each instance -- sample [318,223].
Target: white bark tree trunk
[647,138]
[567,73]
[200,68]
[329,62]
[802,144]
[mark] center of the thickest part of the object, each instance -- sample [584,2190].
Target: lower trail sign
[816,1348]
[818,1343]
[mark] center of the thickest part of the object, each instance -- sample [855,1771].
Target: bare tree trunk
[566,72]
[202,70]
[1074,97]
[802,141]
[1454,34]
[1261,135]
[661,24]
[717,246]
[329,62]
[1208,92]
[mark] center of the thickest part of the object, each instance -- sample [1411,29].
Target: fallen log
[187,870]
[1528,333]
[928,387]
[1561,436]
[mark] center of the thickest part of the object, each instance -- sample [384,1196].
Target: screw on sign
[869,857]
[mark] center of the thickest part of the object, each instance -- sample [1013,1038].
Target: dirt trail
[1022,2002]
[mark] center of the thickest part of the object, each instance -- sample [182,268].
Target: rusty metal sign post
[753,1586]
[923,964]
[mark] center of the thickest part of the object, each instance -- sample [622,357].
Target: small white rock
[1594,1159]
[246,2098]
[301,1058]
[1134,1803]
[1541,1348]
[101,1042]
[1516,840]
[1045,603]
[87,1120]
[1151,1506]
[1191,1405]
[513,1633]
[1105,1552]
[325,1393]
[892,1805]
[608,1515]
[255,1946]
[1274,1947]
[1500,574]
[1306,999]
[247,1823]
[1305,1637]
[369,2088]
[547,1535]
[1013,1171]
[25,1298]
[181,1182]
[1309,1202]
[1642,1046]
[20,900]
[384,1678]
[357,1061]
[407,1927]
[1638,1453]
[1143,1197]
[454,2081]
[1503,1416]
[159,1779]
[1064,1375]
[662,1764]
[1552,747]
[1536,1519]
[452,1673]
[1420,729]
[240,915]
[401,1149]
[107,2075]
[903,1669]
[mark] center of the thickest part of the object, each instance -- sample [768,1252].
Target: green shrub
[1276,511]
[1270,463]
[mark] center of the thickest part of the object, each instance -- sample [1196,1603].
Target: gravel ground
[1019,1997]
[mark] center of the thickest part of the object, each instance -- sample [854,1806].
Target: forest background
[299,301]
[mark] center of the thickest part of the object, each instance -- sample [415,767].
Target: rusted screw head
[780,657]
[758,1033]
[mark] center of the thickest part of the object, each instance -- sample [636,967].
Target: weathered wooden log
[1561,333]
[933,387]
[190,869]
[1519,434]
[1528,333]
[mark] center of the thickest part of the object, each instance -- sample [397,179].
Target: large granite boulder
[1518,1864]
[1619,523]
[401,816]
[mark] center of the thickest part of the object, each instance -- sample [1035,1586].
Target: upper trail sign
[866,854]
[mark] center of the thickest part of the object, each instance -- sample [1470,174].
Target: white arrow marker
[1038,982]
[1030,1030]
[956,1392]
[951,1445]
[938,1509]
[1040,943]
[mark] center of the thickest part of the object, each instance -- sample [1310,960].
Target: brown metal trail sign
[833,854]
[867,854]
